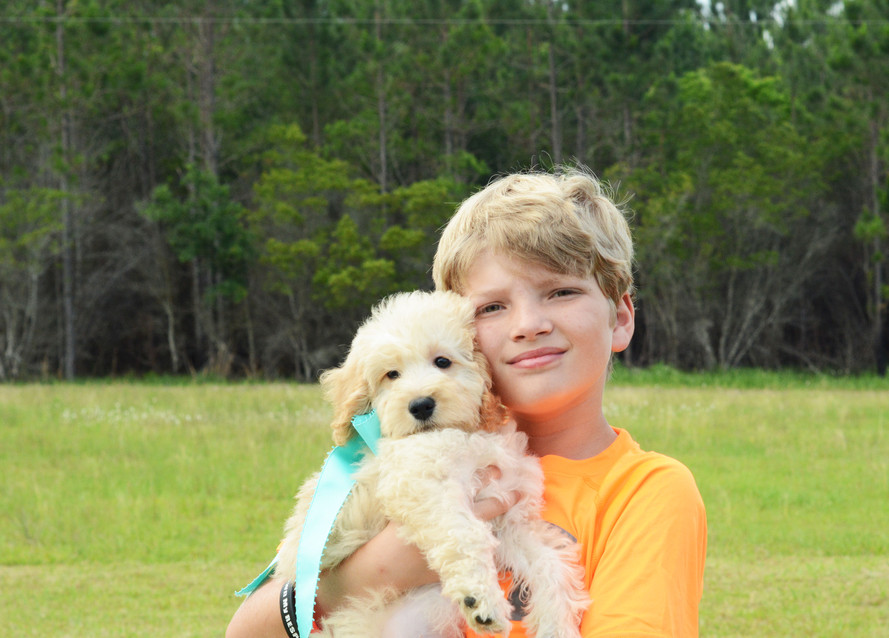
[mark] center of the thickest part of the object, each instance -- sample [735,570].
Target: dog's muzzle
[422,408]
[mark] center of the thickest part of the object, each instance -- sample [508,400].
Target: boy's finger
[490,508]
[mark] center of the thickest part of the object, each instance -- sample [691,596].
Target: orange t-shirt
[641,525]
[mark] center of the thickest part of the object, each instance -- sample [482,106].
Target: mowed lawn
[131,509]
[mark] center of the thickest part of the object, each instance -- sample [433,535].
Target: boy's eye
[564,292]
[393,374]
[491,307]
[442,362]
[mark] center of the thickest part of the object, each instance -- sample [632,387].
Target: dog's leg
[540,555]
[461,549]
[544,560]
[423,486]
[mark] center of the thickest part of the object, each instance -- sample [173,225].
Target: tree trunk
[878,309]
[251,340]
[316,91]
[67,215]
[381,105]
[196,304]
[448,116]
[171,335]
[207,96]
[556,131]
[555,128]
[627,114]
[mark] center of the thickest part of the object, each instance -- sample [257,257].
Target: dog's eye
[393,374]
[442,362]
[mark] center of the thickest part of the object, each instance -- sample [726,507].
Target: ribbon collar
[334,485]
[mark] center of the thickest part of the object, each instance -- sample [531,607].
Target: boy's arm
[388,561]
[259,616]
[384,561]
[649,579]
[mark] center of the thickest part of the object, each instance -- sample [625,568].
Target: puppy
[416,363]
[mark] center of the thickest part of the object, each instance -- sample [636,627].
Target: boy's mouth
[536,358]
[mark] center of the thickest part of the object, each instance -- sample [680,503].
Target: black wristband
[288,609]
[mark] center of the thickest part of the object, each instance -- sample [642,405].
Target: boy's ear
[624,324]
[348,392]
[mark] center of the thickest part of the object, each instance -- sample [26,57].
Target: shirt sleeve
[649,579]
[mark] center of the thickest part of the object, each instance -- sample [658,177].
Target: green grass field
[136,509]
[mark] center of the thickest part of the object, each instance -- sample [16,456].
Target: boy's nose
[530,322]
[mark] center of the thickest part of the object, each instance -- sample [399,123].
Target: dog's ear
[349,394]
[493,412]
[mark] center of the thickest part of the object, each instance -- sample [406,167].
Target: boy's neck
[571,439]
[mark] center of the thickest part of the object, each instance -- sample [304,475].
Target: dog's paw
[486,615]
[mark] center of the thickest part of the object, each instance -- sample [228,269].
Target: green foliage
[428,204]
[334,239]
[29,229]
[351,276]
[752,137]
[861,55]
[203,222]
[870,226]
[300,212]
[729,188]
[30,239]
[664,376]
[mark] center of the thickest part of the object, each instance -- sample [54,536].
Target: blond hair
[564,221]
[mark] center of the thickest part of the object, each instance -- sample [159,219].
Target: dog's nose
[422,408]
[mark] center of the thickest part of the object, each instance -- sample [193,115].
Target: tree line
[227,187]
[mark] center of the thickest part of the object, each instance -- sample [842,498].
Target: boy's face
[548,336]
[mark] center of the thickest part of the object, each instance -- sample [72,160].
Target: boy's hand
[490,508]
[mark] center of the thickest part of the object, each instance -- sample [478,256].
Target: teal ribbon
[334,485]
[333,488]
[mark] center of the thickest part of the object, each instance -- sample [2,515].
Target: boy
[547,261]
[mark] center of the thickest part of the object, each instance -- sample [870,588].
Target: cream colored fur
[426,476]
